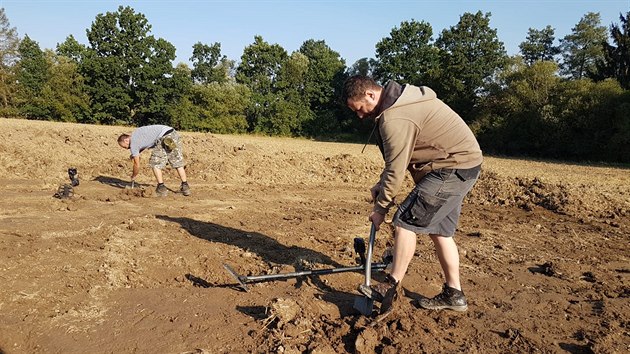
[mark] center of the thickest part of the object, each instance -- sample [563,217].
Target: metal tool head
[364,305]
[236,277]
[359,248]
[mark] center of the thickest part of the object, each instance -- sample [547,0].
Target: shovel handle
[368,259]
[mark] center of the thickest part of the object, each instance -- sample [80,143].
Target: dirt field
[544,250]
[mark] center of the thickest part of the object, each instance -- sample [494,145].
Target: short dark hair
[356,86]
[122,137]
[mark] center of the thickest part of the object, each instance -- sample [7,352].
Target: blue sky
[350,27]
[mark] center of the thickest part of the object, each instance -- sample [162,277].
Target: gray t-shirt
[145,138]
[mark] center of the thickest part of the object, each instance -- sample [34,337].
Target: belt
[168,132]
[464,174]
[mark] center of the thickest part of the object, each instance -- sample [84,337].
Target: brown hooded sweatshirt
[418,132]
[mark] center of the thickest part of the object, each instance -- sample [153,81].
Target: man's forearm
[136,168]
[386,193]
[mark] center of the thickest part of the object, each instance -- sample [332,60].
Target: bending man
[166,148]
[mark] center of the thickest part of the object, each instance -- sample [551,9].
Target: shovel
[365,304]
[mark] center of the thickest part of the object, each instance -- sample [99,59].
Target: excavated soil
[544,252]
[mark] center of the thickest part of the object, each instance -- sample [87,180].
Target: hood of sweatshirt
[396,95]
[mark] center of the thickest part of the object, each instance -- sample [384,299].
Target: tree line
[566,98]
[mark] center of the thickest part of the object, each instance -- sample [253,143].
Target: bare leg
[447,253]
[404,249]
[158,175]
[182,173]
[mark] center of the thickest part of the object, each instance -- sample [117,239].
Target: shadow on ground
[112,181]
[117,182]
[266,247]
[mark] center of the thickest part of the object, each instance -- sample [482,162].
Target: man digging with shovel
[416,131]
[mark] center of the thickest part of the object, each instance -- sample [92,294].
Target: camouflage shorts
[162,154]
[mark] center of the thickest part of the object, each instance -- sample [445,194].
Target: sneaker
[379,291]
[161,190]
[185,189]
[449,298]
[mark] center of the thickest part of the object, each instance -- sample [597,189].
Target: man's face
[364,106]
[124,144]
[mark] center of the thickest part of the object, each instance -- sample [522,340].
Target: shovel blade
[364,305]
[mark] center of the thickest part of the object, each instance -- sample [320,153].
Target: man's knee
[398,230]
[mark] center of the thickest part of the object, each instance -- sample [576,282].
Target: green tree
[293,74]
[593,120]
[65,95]
[292,110]
[9,42]
[323,75]
[33,73]
[260,64]
[126,69]
[519,119]
[72,49]
[215,107]
[363,66]
[582,48]
[407,55]
[153,92]
[322,84]
[471,54]
[208,64]
[180,108]
[616,61]
[539,45]
[536,113]
[259,68]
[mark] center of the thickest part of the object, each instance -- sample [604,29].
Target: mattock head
[236,277]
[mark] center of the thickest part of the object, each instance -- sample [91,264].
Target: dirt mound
[491,189]
[581,201]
